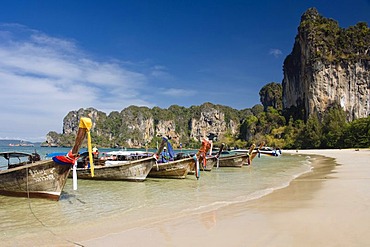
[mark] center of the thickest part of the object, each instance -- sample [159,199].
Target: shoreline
[328,206]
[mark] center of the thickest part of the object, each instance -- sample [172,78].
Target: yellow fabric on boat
[90,153]
[87,124]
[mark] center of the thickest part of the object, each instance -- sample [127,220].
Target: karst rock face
[211,124]
[328,65]
[71,121]
[135,126]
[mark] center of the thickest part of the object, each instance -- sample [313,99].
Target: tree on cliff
[271,95]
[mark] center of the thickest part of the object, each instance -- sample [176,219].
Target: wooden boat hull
[231,161]
[136,170]
[244,159]
[42,179]
[211,162]
[177,169]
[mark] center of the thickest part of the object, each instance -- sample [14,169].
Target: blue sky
[59,56]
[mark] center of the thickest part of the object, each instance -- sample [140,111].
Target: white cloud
[161,73]
[177,92]
[43,78]
[275,52]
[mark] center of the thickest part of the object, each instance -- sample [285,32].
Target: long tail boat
[206,161]
[40,178]
[177,169]
[269,151]
[234,159]
[229,159]
[179,166]
[170,166]
[117,165]
[135,170]
[211,161]
[249,155]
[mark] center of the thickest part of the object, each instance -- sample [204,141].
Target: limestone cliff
[328,65]
[211,123]
[71,121]
[136,126]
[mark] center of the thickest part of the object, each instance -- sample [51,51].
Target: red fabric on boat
[68,159]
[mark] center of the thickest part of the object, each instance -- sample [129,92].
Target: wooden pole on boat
[159,150]
[219,154]
[70,158]
[252,153]
[161,146]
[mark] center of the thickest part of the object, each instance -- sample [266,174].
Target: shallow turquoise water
[149,200]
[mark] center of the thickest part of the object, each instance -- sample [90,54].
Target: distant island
[18,143]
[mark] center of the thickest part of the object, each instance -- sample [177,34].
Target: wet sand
[329,206]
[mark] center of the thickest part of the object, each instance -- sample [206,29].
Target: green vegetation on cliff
[333,43]
[267,122]
[255,125]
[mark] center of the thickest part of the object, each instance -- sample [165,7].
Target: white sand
[317,209]
[329,206]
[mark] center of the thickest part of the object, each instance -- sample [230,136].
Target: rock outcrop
[136,126]
[328,65]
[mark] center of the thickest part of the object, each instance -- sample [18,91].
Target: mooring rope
[38,219]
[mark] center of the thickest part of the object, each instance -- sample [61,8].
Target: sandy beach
[329,206]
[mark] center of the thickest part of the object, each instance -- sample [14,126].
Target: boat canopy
[15,159]
[9,155]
